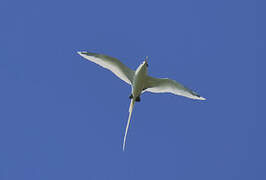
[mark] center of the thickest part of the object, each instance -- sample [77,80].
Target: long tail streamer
[128,121]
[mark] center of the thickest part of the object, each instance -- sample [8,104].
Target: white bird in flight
[139,80]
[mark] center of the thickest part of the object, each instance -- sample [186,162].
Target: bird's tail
[128,121]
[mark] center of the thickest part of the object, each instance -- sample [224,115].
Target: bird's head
[145,61]
[143,66]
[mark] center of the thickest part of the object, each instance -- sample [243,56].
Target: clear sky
[63,117]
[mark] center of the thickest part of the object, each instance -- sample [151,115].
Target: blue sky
[63,117]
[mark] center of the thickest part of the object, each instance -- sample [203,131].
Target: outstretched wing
[113,64]
[165,85]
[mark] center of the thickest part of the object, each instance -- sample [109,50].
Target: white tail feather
[128,121]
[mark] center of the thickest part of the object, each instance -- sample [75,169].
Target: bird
[139,80]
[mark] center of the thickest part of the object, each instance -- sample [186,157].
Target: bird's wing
[113,64]
[165,85]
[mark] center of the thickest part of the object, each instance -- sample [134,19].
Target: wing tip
[202,98]
[198,97]
[81,52]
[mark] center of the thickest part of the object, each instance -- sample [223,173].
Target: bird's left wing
[113,64]
[165,85]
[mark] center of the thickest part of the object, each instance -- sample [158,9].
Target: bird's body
[139,80]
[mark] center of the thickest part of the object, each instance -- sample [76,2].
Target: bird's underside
[139,81]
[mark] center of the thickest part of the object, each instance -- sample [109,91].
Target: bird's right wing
[165,85]
[113,64]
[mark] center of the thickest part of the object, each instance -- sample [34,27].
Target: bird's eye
[147,65]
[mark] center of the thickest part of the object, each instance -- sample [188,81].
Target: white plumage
[139,81]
